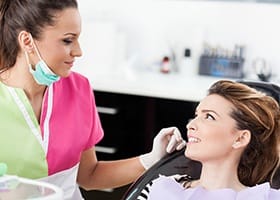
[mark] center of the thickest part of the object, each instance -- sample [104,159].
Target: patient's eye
[195,116]
[209,116]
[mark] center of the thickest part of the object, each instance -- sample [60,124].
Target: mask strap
[28,62]
[27,58]
[35,46]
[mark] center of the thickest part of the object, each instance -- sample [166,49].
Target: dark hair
[29,15]
[260,114]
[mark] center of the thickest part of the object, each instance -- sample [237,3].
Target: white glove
[166,141]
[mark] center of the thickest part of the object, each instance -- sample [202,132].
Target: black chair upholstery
[177,163]
[174,163]
[266,87]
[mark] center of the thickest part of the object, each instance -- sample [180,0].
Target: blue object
[3,169]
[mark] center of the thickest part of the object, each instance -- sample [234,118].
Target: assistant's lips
[70,63]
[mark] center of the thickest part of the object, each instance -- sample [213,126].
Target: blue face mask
[42,74]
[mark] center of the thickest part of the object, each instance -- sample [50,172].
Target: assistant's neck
[19,76]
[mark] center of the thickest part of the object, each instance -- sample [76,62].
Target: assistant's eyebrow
[72,34]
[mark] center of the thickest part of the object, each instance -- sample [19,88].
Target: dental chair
[177,163]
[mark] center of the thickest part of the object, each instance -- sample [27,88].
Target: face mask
[42,74]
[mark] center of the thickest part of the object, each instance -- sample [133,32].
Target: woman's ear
[242,140]
[25,41]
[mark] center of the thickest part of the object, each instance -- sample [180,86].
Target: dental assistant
[49,124]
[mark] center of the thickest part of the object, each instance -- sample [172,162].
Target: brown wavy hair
[29,15]
[258,113]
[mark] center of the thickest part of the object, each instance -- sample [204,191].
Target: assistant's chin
[65,74]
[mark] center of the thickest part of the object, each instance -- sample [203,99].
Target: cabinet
[130,123]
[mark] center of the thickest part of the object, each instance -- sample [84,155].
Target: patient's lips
[192,139]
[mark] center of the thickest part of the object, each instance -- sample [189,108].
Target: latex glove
[166,141]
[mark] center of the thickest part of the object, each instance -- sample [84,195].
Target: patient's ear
[242,140]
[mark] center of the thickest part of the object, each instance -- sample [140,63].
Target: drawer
[110,194]
[122,118]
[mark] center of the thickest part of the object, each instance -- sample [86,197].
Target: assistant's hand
[166,141]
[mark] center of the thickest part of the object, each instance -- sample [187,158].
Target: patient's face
[212,132]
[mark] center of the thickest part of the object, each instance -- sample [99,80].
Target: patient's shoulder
[181,179]
[274,194]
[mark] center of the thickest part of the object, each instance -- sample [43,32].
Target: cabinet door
[123,120]
[174,113]
[122,117]
[162,113]
[110,111]
[115,194]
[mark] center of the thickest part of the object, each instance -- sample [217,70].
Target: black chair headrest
[270,89]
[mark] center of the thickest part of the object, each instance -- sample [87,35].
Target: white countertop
[152,84]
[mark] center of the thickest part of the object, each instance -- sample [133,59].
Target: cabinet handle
[107,110]
[107,190]
[102,149]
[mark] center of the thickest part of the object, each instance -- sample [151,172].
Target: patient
[234,135]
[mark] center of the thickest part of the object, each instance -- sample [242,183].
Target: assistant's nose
[77,51]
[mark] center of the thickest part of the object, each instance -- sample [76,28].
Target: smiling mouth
[193,140]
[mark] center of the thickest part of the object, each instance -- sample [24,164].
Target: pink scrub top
[69,125]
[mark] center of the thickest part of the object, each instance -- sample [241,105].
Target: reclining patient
[235,136]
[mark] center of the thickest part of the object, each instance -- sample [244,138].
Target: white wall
[143,30]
